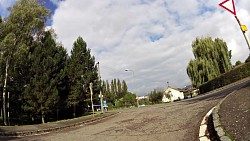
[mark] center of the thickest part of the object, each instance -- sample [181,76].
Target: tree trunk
[4,93]
[74,112]
[43,118]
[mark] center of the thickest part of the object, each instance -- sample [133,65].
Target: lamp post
[137,98]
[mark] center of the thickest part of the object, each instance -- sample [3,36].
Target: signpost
[91,97]
[230,6]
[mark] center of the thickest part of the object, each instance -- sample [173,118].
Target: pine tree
[41,95]
[81,71]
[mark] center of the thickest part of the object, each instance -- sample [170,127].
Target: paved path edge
[220,130]
[203,132]
[54,129]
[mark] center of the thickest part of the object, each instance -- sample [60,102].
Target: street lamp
[137,98]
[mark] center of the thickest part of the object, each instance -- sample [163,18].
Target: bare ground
[167,122]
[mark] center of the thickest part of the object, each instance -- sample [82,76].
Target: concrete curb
[220,131]
[203,133]
[54,129]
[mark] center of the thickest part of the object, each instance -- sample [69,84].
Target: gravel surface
[179,121]
[235,114]
[168,122]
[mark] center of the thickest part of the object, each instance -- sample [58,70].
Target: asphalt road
[177,121]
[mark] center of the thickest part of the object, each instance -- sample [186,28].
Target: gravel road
[166,122]
[177,121]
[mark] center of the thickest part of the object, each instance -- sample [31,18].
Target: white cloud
[153,38]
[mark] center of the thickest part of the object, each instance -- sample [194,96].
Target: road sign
[229,6]
[243,28]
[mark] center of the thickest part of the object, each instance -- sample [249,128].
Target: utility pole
[91,95]
[99,79]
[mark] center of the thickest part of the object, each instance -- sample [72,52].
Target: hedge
[234,75]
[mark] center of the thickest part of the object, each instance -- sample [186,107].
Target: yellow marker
[243,28]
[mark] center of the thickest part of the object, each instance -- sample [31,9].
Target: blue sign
[105,103]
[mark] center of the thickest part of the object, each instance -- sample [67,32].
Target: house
[190,91]
[172,94]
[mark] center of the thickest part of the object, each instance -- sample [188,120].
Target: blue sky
[52,6]
[49,4]
[151,37]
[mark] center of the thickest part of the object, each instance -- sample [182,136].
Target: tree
[237,63]
[124,88]
[212,59]
[115,91]
[155,96]
[25,23]
[129,99]
[48,60]
[81,71]
[119,89]
[112,92]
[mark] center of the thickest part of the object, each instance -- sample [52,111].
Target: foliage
[129,100]
[81,71]
[237,63]
[234,75]
[19,31]
[114,91]
[212,59]
[144,101]
[155,96]
[43,80]
[47,60]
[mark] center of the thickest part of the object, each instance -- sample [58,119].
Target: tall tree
[119,89]
[48,60]
[26,21]
[212,58]
[124,88]
[81,71]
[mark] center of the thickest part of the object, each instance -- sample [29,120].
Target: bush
[227,78]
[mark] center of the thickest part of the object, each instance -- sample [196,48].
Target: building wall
[175,94]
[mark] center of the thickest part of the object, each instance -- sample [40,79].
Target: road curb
[203,132]
[218,127]
[54,129]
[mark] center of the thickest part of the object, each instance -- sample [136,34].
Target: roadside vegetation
[212,66]
[38,79]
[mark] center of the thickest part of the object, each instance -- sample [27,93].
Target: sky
[150,38]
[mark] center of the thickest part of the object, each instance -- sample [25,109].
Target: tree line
[117,94]
[42,80]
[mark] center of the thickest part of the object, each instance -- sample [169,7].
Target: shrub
[227,78]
